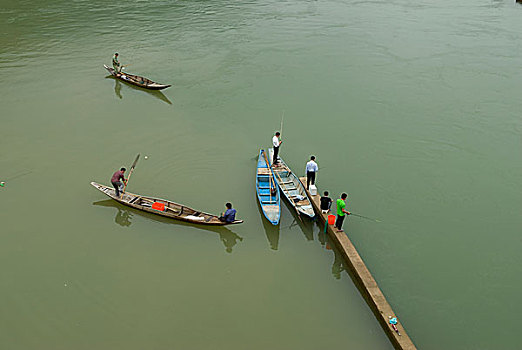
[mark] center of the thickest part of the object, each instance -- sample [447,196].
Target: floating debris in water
[2,184]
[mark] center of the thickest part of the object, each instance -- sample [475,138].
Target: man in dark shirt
[116,64]
[115,180]
[326,203]
[228,216]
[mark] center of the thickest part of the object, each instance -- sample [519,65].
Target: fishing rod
[282,117]
[365,217]
[23,173]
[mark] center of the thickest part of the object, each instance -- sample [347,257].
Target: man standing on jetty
[276,142]
[115,180]
[341,204]
[311,169]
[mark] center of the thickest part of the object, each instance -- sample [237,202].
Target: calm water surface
[412,107]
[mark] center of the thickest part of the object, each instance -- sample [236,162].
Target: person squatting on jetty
[311,169]
[326,203]
[229,215]
[277,143]
[341,204]
[115,180]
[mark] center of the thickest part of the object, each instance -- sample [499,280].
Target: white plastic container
[313,190]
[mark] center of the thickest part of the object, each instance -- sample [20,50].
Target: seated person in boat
[116,64]
[229,215]
[115,180]
[326,203]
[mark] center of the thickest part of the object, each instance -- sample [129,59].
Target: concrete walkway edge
[368,286]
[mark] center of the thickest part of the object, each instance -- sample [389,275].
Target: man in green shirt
[341,204]
[116,64]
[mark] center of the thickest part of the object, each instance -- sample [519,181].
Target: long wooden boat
[291,187]
[136,80]
[267,191]
[163,207]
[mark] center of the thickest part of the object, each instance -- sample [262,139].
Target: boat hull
[136,80]
[170,209]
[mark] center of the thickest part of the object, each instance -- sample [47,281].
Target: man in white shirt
[311,169]
[276,142]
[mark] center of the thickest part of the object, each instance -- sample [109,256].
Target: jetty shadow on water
[118,85]
[125,214]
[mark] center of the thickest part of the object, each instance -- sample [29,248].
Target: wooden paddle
[270,176]
[130,172]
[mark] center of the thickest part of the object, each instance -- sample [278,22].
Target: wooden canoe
[267,191]
[136,80]
[291,187]
[171,209]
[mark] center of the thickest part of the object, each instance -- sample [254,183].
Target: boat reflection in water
[125,214]
[118,85]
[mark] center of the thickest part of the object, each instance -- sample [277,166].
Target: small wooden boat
[136,80]
[292,187]
[267,191]
[163,207]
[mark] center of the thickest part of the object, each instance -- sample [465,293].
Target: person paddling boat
[116,65]
[115,180]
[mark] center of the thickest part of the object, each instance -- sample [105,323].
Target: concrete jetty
[367,284]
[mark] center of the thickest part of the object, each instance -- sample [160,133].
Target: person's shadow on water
[123,217]
[337,266]
[117,88]
[229,239]
[338,263]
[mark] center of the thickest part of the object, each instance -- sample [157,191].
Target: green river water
[412,107]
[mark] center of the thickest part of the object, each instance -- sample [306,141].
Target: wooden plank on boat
[292,188]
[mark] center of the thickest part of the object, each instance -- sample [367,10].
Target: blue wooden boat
[291,187]
[267,191]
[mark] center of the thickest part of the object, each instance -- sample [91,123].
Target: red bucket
[158,206]
[331,219]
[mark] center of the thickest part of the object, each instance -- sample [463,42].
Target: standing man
[341,204]
[311,169]
[276,142]
[229,215]
[115,180]
[116,64]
